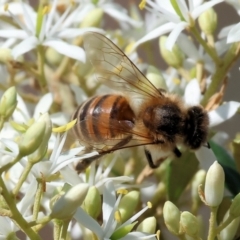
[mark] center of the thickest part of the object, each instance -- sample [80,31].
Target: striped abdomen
[102,118]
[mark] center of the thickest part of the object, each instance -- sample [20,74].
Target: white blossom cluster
[45,75]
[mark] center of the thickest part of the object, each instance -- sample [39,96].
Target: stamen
[117,216]
[142,4]
[122,191]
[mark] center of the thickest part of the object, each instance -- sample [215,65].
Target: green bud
[156,78]
[171,215]
[92,202]
[198,179]
[173,58]
[234,210]
[148,225]
[53,57]
[189,224]
[33,138]
[214,185]
[229,232]
[208,21]
[42,149]
[93,19]
[5,55]
[8,102]
[66,205]
[128,205]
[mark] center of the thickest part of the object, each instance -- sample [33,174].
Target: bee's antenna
[207,145]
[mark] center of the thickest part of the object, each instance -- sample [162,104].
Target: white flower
[110,224]
[34,32]
[177,17]
[6,227]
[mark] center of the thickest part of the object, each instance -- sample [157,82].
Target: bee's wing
[107,136]
[115,67]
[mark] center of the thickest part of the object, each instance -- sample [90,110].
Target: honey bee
[138,115]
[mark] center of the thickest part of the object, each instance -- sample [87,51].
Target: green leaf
[222,155]
[232,179]
[121,232]
[179,174]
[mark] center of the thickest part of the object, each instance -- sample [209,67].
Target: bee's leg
[177,152]
[149,159]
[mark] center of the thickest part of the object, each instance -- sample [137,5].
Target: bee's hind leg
[149,159]
[177,152]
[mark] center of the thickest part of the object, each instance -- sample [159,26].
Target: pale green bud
[189,224]
[92,202]
[208,21]
[53,57]
[229,232]
[93,18]
[156,78]
[66,205]
[32,139]
[171,215]
[234,210]
[214,185]
[5,55]
[173,58]
[198,179]
[42,149]
[8,102]
[128,205]
[148,225]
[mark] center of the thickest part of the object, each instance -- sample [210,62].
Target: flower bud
[189,224]
[32,139]
[8,102]
[199,179]
[229,232]
[42,149]
[92,202]
[128,204]
[173,58]
[234,210]
[66,205]
[5,55]
[208,21]
[53,57]
[148,225]
[93,18]
[156,78]
[171,215]
[214,185]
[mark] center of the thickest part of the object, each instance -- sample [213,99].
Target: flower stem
[23,177]
[64,229]
[224,224]
[57,229]
[16,215]
[230,57]
[42,77]
[211,52]
[9,165]
[212,224]
[37,201]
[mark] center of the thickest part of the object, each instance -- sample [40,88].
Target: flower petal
[223,113]
[165,28]
[192,93]
[84,219]
[69,50]
[43,105]
[24,46]
[172,38]
[234,34]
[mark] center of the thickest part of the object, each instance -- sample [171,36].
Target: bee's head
[196,127]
